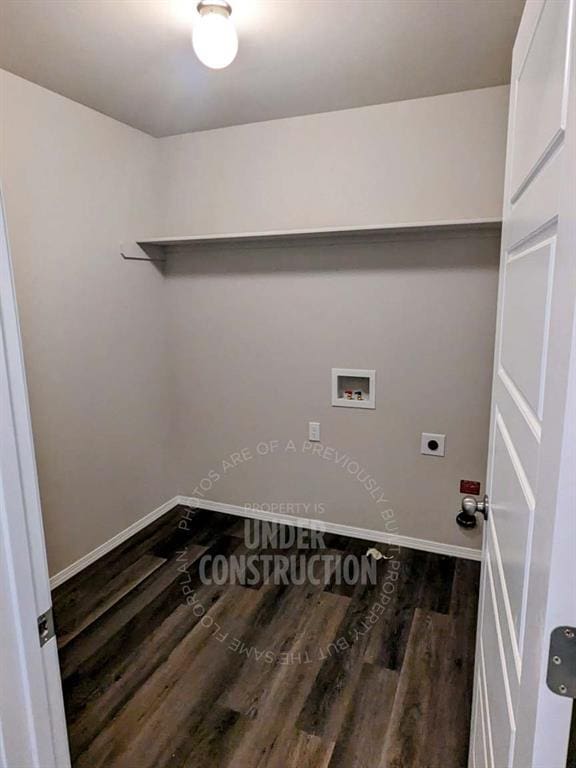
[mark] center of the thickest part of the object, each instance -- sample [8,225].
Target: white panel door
[32,721]
[528,581]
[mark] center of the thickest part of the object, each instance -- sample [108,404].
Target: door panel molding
[486,708]
[527,295]
[516,463]
[495,557]
[498,696]
[542,78]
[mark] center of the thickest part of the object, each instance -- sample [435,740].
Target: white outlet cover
[314,431]
[428,437]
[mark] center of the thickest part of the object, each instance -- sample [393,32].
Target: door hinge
[46,626]
[561,677]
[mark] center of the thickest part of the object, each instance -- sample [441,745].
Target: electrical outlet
[314,431]
[432,445]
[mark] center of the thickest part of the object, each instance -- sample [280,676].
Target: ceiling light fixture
[214,36]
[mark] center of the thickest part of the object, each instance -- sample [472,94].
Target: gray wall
[257,334]
[76,184]
[425,160]
[140,384]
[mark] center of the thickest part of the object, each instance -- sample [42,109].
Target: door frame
[32,719]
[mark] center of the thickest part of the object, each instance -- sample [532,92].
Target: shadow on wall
[402,254]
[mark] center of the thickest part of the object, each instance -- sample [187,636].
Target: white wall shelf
[157,249]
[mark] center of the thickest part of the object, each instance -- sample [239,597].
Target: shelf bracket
[137,252]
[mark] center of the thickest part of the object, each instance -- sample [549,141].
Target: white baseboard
[95,554]
[468,553]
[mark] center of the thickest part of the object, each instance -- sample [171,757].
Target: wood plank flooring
[571,759]
[161,669]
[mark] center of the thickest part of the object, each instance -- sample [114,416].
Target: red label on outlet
[470,486]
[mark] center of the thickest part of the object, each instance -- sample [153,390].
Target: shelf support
[137,252]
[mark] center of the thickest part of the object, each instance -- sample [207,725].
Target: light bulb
[214,36]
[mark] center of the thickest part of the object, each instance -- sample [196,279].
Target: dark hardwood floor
[571,759]
[161,669]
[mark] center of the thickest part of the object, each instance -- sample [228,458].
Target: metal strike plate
[45,627]
[561,677]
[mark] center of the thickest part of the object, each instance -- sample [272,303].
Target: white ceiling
[132,59]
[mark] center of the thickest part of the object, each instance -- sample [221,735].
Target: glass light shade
[214,39]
